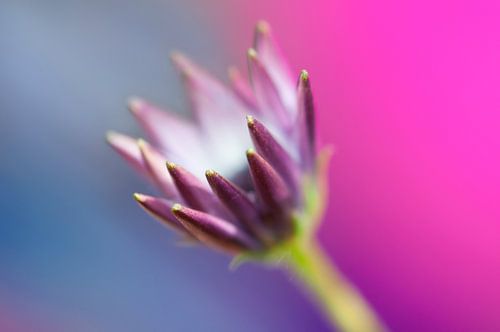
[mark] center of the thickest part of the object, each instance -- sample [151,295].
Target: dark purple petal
[214,231]
[272,191]
[237,201]
[306,125]
[267,146]
[195,193]
[161,209]
[265,90]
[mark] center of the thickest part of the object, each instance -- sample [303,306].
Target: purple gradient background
[407,93]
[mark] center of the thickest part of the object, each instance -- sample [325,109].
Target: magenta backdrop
[408,93]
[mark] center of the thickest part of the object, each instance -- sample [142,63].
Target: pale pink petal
[220,114]
[177,138]
[127,148]
[155,163]
[276,65]
[241,88]
[207,95]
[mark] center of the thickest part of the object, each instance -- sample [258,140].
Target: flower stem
[341,302]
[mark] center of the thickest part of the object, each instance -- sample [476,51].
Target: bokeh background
[407,92]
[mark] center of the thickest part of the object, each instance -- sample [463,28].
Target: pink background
[408,94]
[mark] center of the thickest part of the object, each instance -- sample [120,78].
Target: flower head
[245,205]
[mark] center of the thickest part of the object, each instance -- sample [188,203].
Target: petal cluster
[243,203]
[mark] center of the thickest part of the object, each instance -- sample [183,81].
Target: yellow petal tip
[304,75]
[252,53]
[139,197]
[210,173]
[170,165]
[176,207]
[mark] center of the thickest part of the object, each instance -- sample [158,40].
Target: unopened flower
[263,205]
[248,203]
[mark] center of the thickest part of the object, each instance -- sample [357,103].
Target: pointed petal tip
[304,75]
[250,121]
[182,63]
[135,104]
[171,166]
[118,141]
[176,56]
[139,197]
[210,173]
[252,53]
[141,143]
[262,27]
[111,136]
[176,208]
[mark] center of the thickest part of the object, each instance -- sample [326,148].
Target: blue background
[76,253]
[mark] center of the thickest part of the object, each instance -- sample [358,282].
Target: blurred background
[407,92]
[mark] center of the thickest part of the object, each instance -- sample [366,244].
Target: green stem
[341,302]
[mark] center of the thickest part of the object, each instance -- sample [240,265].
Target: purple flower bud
[253,207]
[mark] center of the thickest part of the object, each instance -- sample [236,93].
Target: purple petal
[241,88]
[272,191]
[195,193]
[161,209]
[266,91]
[155,164]
[306,125]
[214,231]
[236,201]
[127,148]
[274,153]
[276,65]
